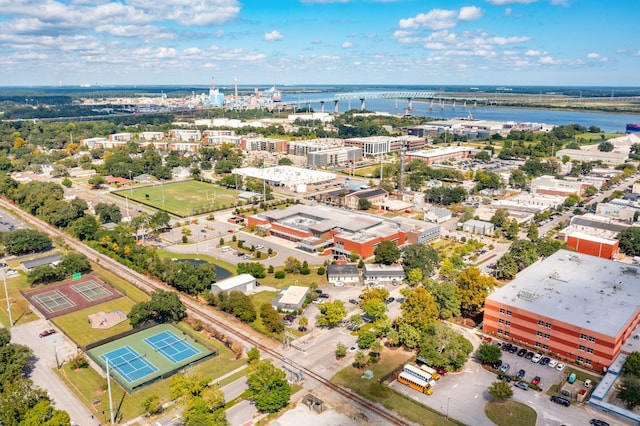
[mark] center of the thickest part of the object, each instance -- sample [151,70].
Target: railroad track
[149,285]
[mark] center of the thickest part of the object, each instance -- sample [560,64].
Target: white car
[353,348]
[560,367]
[536,358]
[552,363]
[259,247]
[11,272]
[338,284]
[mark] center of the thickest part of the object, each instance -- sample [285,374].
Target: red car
[536,380]
[47,332]
[441,371]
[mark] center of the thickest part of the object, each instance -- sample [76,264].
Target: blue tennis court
[128,363]
[171,346]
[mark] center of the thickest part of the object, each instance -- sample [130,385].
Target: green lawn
[510,413]
[77,327]
[183,198]
[89,386]
[20,309]
[351,377]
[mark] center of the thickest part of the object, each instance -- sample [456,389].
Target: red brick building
[573,306]
[592,245]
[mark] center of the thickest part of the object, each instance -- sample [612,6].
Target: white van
[225,248]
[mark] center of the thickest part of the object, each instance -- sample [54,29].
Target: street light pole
[6,293]
[109,390]
[130,183]
[162,187]
[448,399]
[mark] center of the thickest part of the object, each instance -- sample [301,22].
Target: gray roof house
[380,274]
[29,265]
[244,283]
[346,274]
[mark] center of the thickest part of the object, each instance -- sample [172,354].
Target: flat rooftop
[578,289]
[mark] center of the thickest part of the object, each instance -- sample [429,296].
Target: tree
[630,241]
[420,256]
[472,288]
[240,305]
[605,146]
[512,230]
[366,338]
[419,308]
[364,204]
[483,156]
[500,391]
[444,347]
[152,405]
[44,414]
[253,355]
[95,181]
[408,335]
[268,387]
[24,241]
[360,360]
[67,182]
[506,267]
[292,265]
[387,252]
[488,353]
[500,218]
[414,276]
[164,306]
[532,233]
[632,364]
[331,313]
[572,200]
[444,294]
[108,212]
[255,269]
[285,161]
[341,350]
[518,178]
[629,391]
[270,318]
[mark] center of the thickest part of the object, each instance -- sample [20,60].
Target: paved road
[45,351]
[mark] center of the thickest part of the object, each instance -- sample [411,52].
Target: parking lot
[548,375]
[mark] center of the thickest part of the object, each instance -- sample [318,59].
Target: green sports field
[183,198]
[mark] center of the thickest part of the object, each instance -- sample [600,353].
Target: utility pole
[6,293]
[109,390]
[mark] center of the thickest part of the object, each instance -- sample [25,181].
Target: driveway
[45,352]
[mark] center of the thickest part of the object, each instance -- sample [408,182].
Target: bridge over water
[432,97]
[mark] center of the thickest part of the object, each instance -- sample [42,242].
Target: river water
[607,122]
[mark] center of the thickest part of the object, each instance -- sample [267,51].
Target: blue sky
[475,42]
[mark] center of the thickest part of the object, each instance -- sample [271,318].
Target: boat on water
[633,128]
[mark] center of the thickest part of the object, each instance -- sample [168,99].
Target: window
[587,361]
[538,345]
[499,331]
[545,347]
[508,323]
[502,310]
[539,333]
[583,336]
[590,350]
[547,336]
[500,320]
[592,339]
[581,347]
[547,325]
[509,313]
[506,333]
[579,359]
[541,323]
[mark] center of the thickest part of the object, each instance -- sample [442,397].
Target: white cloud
[532,53]
[347,45]
[597,57]
[508,11]
[436,19]
[548,60]
[469,13]
[273,36]
[192,51]
[503,2]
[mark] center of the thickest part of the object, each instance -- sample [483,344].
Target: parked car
[353,348]
[529,356]
[11,272]
[338,284]
[324,295]
[506,347]
[536,381]
[496,364]
[287,323]
[302,328]
[536,358]
[505,367]
[317,290]
[522,352]
[560,400]
[48,332]
[598,422]
[560,367]
[521,385]
[552,363]
[513,349]
[354,301]
[389,300]
[520,374]
[545,360]
[441,371]
[289,317]
[504,377]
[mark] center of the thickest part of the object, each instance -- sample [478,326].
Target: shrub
[321,271]
[279,275]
